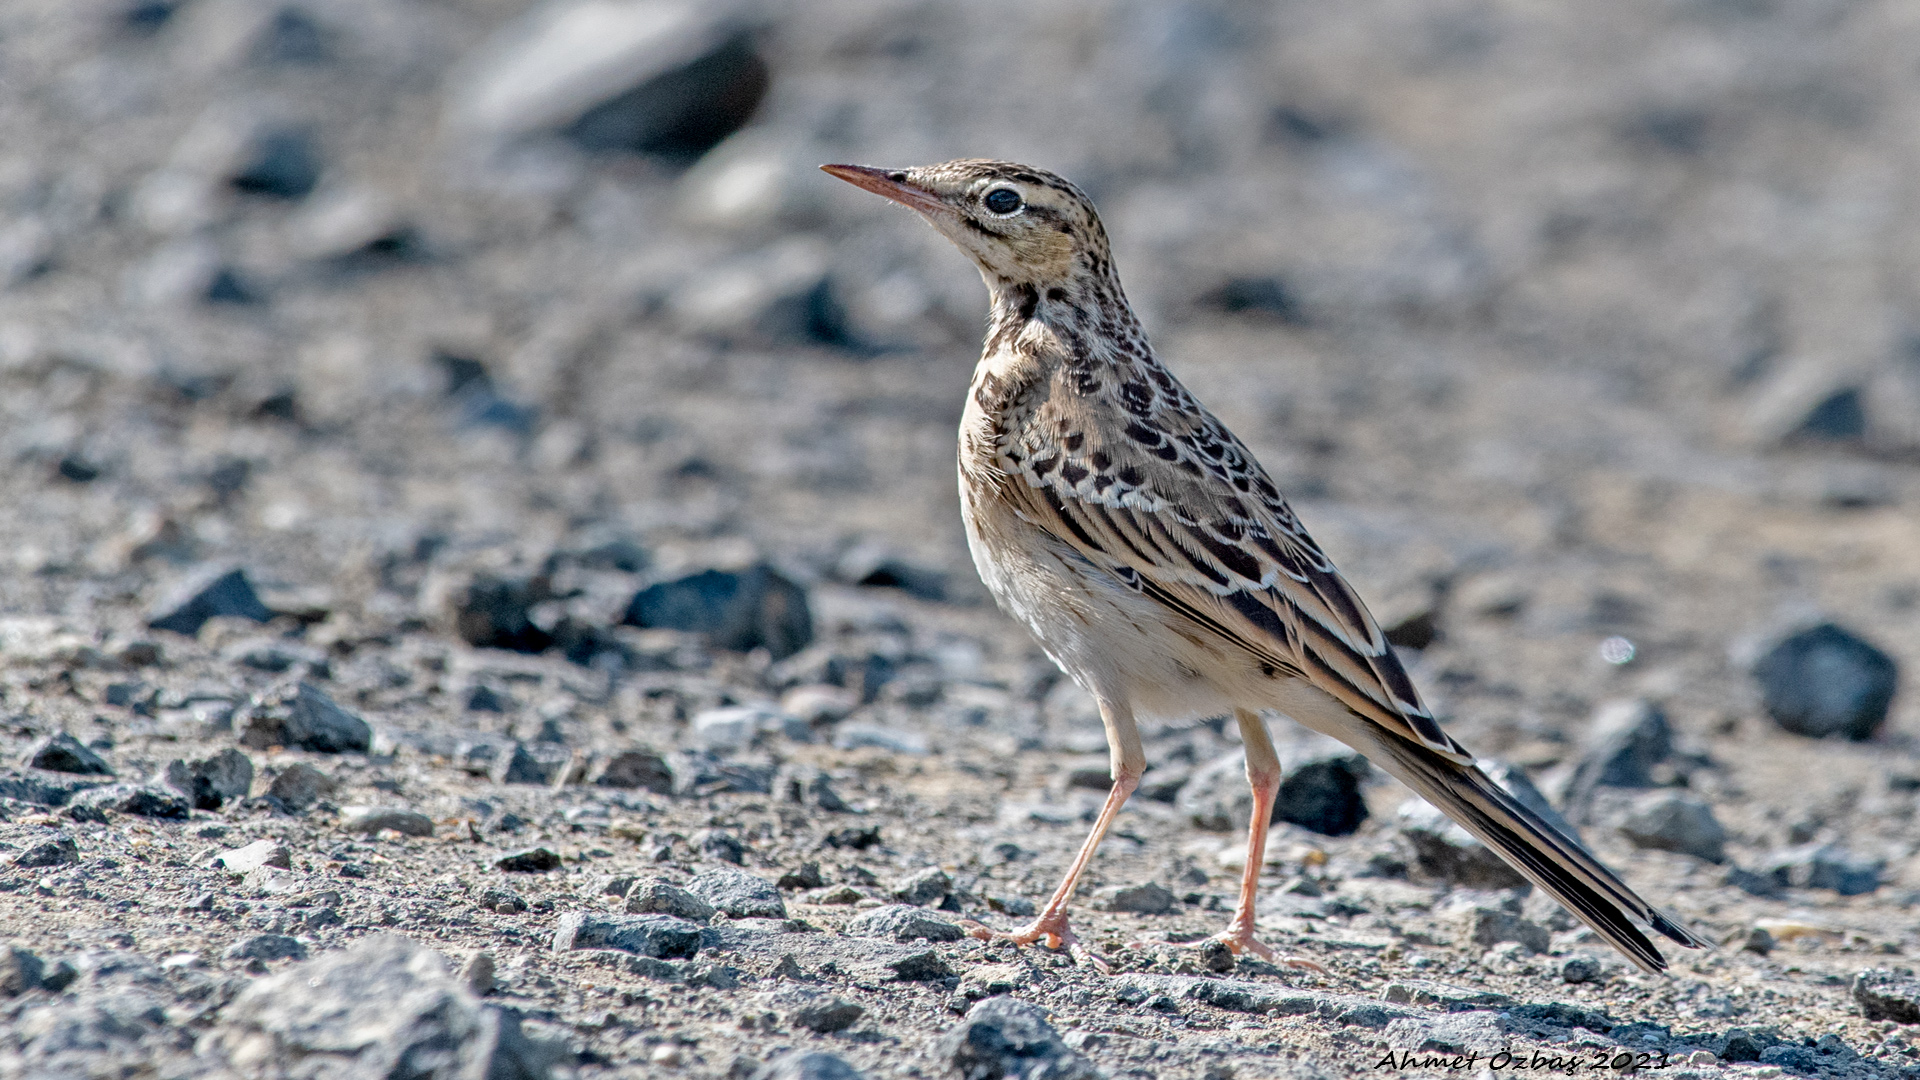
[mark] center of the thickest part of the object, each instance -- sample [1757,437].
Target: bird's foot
[1050,930]
[1239,939]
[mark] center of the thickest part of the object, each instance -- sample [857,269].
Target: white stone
[245,860]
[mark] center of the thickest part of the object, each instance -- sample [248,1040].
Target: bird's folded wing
[1194,522]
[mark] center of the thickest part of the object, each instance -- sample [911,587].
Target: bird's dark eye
[1002,200]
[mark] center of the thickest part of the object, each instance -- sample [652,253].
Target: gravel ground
[484,593]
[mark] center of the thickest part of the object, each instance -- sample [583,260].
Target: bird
[1157,564]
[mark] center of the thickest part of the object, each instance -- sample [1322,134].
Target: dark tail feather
[1539,851]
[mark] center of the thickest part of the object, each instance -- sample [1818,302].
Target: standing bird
[1158,565]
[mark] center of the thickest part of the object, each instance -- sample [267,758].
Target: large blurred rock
[664,77]
[1320,790]
[1670,821]
[738,610]
[210,781]
[282,163]
[1887,995]
[305,719]
[384,1007]
[1625,740]
[1825,866]
[1826,681]
[205,595]
[495,612]
[64,753]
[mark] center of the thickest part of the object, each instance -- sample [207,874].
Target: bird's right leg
[1263,776]
[1129,761]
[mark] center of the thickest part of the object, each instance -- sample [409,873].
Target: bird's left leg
[1263,775]
[1129,761]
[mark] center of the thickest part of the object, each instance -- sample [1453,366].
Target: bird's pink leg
[1263,775]
[1129,761]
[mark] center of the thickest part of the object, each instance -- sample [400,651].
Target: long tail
[1548,859]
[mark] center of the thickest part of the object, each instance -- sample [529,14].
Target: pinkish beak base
[881,182]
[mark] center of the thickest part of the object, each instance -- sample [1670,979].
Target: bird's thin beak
[883,182]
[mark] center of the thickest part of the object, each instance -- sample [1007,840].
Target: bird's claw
[1052,932]
[1239,939]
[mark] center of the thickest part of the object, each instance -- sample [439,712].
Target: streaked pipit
[1159,566]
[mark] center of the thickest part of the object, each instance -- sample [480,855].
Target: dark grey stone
[654,896]
[1826,866]
[1756,884]
[1006,1039]
[825,1015]
[809,786]
[806,876]
[1150,898]
[1487,927]
[64,753]
[383,1007]
[537,860]
[501,900]
[638,769]
[1800,1059]
[697,773]
[1827,681]
[300,785]
[924,888]
[739,894]
[209,782]
[205,595]
[1580,969]
[659,936]
[1669,821]
[1320,791]
[1887,995]
[722,845]
[923,966]
[1624,742]
[140,800]
[282,163]
[111,1033]
[807,1065]
[874,566]
[58,851]
[683,110]
[496,612]
[536,763]
[39,788]
[308,719]
[903,922]
[748,609]
[20,971]
[1323,795]
[268,947]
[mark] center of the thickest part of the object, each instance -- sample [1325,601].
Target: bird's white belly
[1116,643]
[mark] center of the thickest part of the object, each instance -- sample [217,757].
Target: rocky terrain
[482,593]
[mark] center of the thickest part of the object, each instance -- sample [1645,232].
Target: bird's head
[1021,225]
